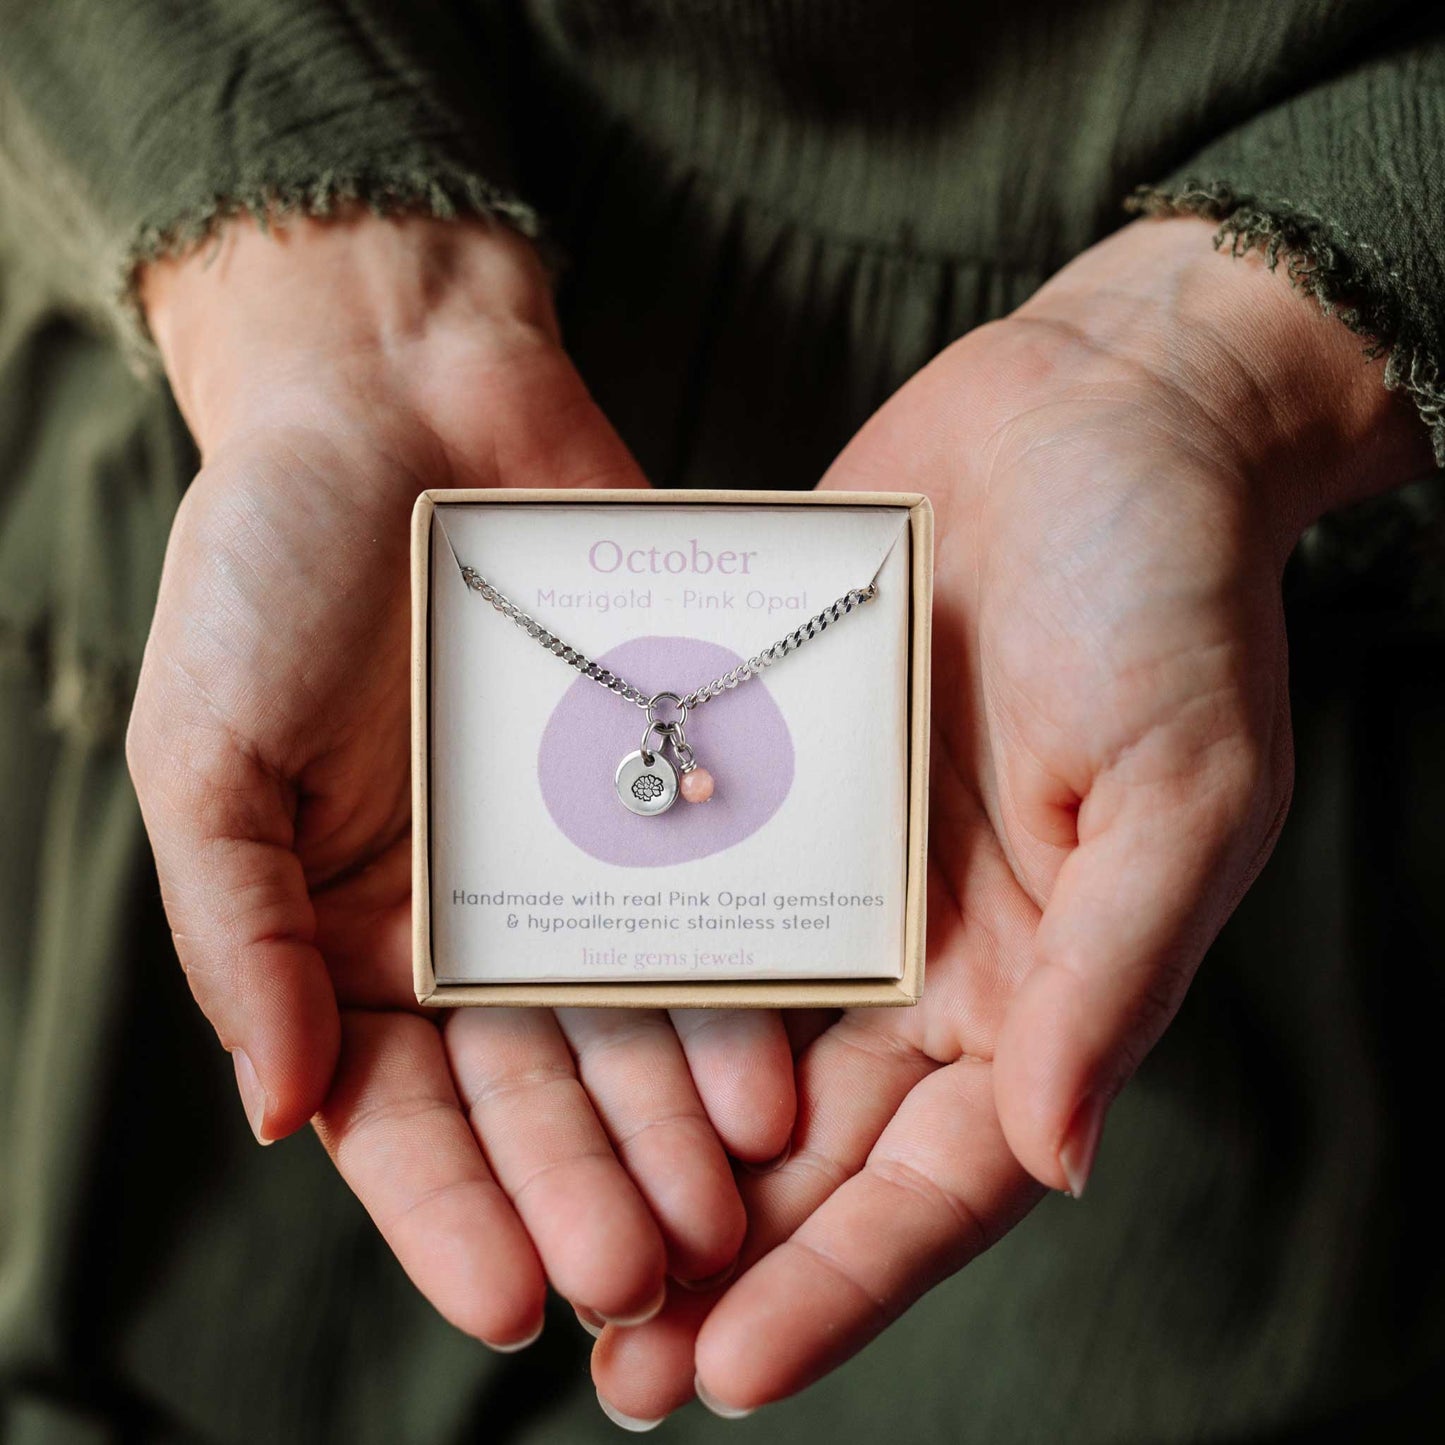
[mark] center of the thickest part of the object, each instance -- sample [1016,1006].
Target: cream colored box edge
[750,993]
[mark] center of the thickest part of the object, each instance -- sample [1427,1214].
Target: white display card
[795,869]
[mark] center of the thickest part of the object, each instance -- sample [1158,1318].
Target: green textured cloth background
[769,213]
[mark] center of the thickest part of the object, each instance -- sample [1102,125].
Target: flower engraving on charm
[647,787]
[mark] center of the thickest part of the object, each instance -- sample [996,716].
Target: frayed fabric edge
[440,192]
[1318,265]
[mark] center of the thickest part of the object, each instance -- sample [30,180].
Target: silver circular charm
[646,783]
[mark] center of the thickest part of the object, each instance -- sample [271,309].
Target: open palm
[497,1150]
[1111,764]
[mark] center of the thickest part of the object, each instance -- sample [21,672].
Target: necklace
[647,783]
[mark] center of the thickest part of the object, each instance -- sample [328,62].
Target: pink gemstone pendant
[696,785]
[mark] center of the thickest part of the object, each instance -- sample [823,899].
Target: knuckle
[1159,999]
[139,743]
[1064,950]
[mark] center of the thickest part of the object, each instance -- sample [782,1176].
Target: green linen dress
[770,213]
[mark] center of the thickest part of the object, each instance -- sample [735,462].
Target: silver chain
[813,627]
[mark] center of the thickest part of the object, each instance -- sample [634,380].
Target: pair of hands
[1119,471]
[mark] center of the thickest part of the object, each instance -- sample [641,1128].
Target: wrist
[1282,392]
[250,323]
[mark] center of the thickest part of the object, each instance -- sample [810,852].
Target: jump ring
[663,731]
[676,701]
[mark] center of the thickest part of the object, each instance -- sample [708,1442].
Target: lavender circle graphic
[740,737]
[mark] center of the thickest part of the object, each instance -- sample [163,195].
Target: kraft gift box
[801,882]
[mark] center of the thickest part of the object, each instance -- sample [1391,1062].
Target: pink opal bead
[696,786]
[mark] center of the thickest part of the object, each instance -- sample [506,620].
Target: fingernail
[1081,1144]
[516,1345]
[594,1324]
[253,1097]
[700,1286]
[642,1317]
[768,1165]
[711,1402]
[628,1422]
